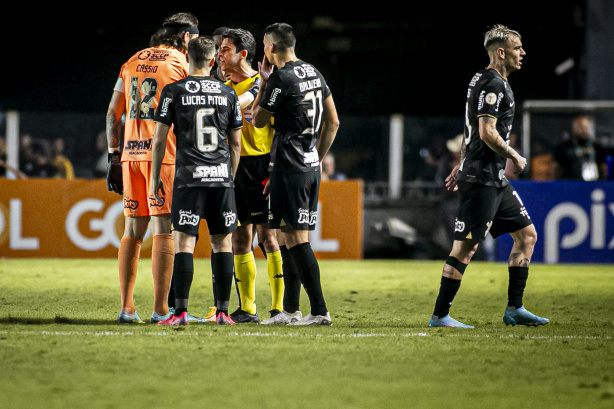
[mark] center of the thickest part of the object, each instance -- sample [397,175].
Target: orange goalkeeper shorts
[137,201]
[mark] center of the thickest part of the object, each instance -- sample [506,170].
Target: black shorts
[214,204]
[294,200]
[488,209]
[252,203]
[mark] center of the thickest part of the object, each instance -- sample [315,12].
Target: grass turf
[60,346]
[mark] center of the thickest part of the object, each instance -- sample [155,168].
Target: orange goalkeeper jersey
[141,79]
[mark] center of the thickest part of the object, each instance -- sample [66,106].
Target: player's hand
[451,179]
[520,163]
[265,68]
[115,182]
[156,192]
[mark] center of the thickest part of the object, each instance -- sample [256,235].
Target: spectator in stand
[65,169]
[329,172]
[580,157]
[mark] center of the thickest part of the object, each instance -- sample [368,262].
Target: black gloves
[114,174]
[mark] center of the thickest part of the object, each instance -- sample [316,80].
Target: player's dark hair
[283,35]
[220,31]
[201,50]
[242,40]
[173,28]
[498,35]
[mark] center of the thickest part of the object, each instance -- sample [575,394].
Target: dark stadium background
[379,57]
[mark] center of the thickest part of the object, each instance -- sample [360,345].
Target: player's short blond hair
[498,35]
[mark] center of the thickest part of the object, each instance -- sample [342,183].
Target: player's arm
[115,111]
[490,136]
[249,96]
[234,145]
[330,125]
[158,148]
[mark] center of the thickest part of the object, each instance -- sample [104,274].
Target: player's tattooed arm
[492,138]
[115,111]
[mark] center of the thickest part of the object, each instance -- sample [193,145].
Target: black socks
[306,264]
[517,283]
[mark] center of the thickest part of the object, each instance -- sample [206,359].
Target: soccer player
[136,95]
[489,203]
[235,57]
[204,112]
[306,123]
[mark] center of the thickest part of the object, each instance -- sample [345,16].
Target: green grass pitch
[60,346]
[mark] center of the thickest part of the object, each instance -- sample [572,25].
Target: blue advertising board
[574,221]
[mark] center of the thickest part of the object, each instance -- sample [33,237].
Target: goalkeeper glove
[114,174]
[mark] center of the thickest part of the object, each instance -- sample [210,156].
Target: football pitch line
[310,335]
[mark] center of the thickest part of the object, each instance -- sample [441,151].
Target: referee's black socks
[306,265]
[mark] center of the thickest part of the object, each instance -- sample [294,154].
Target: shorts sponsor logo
[154,203]
[230,218]
[459,226]
[186,217]
[307,217]
[131,204]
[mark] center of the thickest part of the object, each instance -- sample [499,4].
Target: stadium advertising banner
[81,219]
[574,221]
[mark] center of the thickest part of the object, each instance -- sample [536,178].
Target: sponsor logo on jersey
[229,218]
[274,95]
[481,100]
[311,157]
[211,173]
[499,99]
[186,217]
[490,98]
[138,145]
[164,106]
[459,226]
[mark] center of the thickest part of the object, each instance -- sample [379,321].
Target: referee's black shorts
[488,209]
[252,203]
[294,200]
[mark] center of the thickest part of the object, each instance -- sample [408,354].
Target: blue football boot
[446,321]
[521,316]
